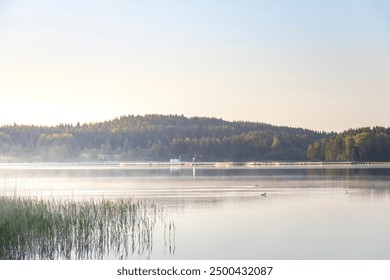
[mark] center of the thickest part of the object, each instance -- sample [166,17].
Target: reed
[33,228]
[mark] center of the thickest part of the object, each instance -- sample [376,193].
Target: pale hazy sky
[323,65]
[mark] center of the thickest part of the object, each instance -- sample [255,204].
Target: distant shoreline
[249,164]
[184,164]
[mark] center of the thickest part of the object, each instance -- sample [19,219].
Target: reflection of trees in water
[104,229]
[348,173]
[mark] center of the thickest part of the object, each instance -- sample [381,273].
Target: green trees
[57,147]
[364,144]
[157,137]
[160,137]
[5,139]
[6,143]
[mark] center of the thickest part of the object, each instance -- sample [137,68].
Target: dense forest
[363,144]
[158,138]
[162,137]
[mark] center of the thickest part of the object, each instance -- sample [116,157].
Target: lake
[285,212]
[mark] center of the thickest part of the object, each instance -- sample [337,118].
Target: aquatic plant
[33,228]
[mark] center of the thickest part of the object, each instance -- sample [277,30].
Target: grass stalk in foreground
[32,228]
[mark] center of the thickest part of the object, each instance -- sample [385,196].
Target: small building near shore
[175,160]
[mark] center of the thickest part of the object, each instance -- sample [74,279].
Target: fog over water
[333,212]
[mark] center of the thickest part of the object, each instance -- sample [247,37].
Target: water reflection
[182,186]
[219,213]
[33,228]
[179,171]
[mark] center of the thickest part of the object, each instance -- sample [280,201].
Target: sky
[321,65]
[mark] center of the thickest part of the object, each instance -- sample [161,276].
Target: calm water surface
[220,213]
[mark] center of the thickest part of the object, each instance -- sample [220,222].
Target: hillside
[156,137]
[362,144]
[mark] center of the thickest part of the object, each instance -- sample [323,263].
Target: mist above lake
[237,213]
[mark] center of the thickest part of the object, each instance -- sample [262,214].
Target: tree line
[362,144]
[161,137]
[156,137]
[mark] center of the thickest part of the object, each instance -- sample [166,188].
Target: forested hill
[363,144]
[156,137]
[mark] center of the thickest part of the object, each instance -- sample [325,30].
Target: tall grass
[33,228]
